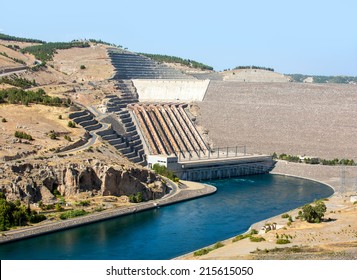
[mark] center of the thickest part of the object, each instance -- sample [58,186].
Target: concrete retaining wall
[171,90]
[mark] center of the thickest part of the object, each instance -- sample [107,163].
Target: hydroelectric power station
[147,122]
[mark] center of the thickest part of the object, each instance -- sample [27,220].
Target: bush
[282,241]
[3,120]
[240,237]
[285,216]
[23,135]
[36,218]
[84,203]
[256,239]
[201,252]
[83,67]
[53,136]
[253,231]
[162,170]
[71,124]
[136,198]
[218,245]
[72,214]
[205,251]
[58,207]
[68,138]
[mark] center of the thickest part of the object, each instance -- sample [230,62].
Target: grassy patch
[205,251]
[256,238]
[282,241]
[72,214]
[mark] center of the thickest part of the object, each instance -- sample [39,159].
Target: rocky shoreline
[178,195]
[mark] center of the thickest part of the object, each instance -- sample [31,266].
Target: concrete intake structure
[171,90]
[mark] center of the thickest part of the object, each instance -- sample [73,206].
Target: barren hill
[255,75]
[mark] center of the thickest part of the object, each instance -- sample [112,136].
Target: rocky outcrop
[117,182]
[35,182]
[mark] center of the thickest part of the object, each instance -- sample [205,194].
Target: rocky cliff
[34,182]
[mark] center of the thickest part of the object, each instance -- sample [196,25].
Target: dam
[149,122]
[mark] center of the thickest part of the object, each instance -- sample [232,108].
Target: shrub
[240,237]
[285,216]
[71,124]
[84,203]
[3,120]
[162,170]
[58,207]
[36,218]
[68,138]
[136,198]
[253,231]
[205,251]
[60,117]
[83,67]
[201,252]
[256,239]
[23,135]
[53,135]
[218,245]
[282,241]
[72,214]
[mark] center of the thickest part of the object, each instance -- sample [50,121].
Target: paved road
[12,72]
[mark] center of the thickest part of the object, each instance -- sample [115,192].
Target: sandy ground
[334,239]
[95,59]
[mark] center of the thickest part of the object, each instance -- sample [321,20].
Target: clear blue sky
[308,37]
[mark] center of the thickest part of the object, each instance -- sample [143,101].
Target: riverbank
[335,239]
[185,191]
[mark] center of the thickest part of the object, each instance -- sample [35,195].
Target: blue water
[174,230]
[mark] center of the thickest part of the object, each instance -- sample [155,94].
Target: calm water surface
[174,230]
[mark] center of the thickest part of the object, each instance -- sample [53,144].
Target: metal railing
[216,153]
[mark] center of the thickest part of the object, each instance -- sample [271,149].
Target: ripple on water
[174,230]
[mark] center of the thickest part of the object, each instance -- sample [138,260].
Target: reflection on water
[171,231]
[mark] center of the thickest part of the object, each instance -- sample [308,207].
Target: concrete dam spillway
[146,121]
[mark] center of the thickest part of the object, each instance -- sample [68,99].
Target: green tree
[71,124]
[313,213]
[5,215]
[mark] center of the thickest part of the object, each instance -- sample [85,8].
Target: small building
[169,161]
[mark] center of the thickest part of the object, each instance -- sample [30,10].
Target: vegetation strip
[104,215]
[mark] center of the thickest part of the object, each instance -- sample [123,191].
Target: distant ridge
[251,75]
[300,78]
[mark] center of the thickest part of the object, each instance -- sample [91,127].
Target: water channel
[168,232]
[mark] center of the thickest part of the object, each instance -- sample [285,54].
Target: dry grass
[95,59]
[38,121]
